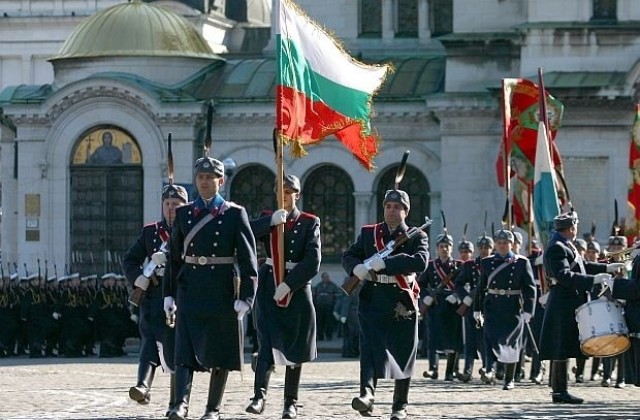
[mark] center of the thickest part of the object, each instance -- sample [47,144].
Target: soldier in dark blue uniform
[437,289]
[388,304]
[505,300]
[466,287]
[285,316]
[7,320]
[570,277]
[537,367]
[37,316]
[209,238]
[158,339]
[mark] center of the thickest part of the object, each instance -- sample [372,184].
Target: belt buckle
[202,260]
[503,292]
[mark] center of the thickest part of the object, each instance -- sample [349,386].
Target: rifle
[148,271]
[350,285]
[434,292]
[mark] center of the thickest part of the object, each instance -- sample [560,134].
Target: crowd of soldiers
[51,316]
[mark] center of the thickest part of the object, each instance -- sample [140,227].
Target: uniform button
[215,244]
[217,233]
[213,266]
[188,222]
[295,231]
[219,222]
[293,240]
[191,244]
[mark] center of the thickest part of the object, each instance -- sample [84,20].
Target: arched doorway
[106,199]
[415,184]
[328,193]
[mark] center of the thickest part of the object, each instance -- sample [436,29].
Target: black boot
[579,370]
[140,393]
[364,403]
[216,391]
[452,361]
[559,393]
[291,384]
[183,380]
[509,376]
[400,399]
[260,386]
[172,394]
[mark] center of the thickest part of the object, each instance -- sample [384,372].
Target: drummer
[570,277]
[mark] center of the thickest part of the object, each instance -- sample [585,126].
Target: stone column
[387,20]
[424,31]
[363,210]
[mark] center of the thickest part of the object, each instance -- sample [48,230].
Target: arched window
[370,18]
[252,187]
[604,10]
[415,184]
[328,193]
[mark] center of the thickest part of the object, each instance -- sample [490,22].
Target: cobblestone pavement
[98,389]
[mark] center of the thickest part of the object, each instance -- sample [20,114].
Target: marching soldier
[7,320]
[36,316]
[109,323]
[537,368]
[505,300]
[158,339]
[437,288]
[208,238]
[388,306]
[284,313]
[569,282]
[53,332]
[592,254]
[75,325]
[466,288]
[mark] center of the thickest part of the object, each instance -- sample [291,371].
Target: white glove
[134,318]
[142,282]
[477,315]
[170,307]
[452,299]
[336,316]
[526,317]
[159,258]
[601,278]
[468,300]
[56,315]
[377,263]
[241,307]
[539,260]
[281,291]
[543,299]
[361,272]
[614,267]
[279,217]
[428,300]
[343,319]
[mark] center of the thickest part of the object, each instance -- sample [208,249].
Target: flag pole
[277,145]
[506,151]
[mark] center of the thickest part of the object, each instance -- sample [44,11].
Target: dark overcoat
[157,339]
[388,319]
[289,333]
[570,277]
[206,322]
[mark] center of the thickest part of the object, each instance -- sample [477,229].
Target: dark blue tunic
[157,346]
[501,311]
[569,280]
[388,319]
[288,334]
[206,323]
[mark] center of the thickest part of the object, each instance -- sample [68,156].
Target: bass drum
[602,328]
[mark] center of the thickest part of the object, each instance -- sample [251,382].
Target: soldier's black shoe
[256,406]
[579,379]
[140,394]
[620,384]
[363,405]
[500,375]
[290,410]
[448,377]
[488,377]
[509,386]
[537,379]
[463,377]
[179,412]
[565,398]
[606,383]
[211,415]
[430,374]
[400,414]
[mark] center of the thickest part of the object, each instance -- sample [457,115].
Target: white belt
[385,279]
[288,265]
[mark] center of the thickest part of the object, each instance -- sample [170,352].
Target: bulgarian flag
[321,90]
[632,223]
[546,205]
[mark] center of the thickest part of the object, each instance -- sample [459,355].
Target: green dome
[135,29]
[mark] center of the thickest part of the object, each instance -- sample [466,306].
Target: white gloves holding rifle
[241,307]
[159,258]
[141,282]
[361,272]
[281,291]
[377,263]
[170,307]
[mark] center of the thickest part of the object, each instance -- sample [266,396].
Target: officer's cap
[484,240]
[89,277]
[63,278]
[14,277]
[465,246]
[51,278]
[209,165]
[398,196]
[517,237]
[107,276]
[581,244]
[33,276]
[595,246]
[618,241]
[291,182]
[175,191]
[565,220]
[24,278]
[74,276]
[504,234]
[444,238]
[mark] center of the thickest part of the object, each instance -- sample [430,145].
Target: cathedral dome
[135,29]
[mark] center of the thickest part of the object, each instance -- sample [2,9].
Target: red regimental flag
[632,223]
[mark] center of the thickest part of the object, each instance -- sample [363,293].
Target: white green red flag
[632,224]
[321,89]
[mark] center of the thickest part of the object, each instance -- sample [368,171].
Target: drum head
[606,345]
